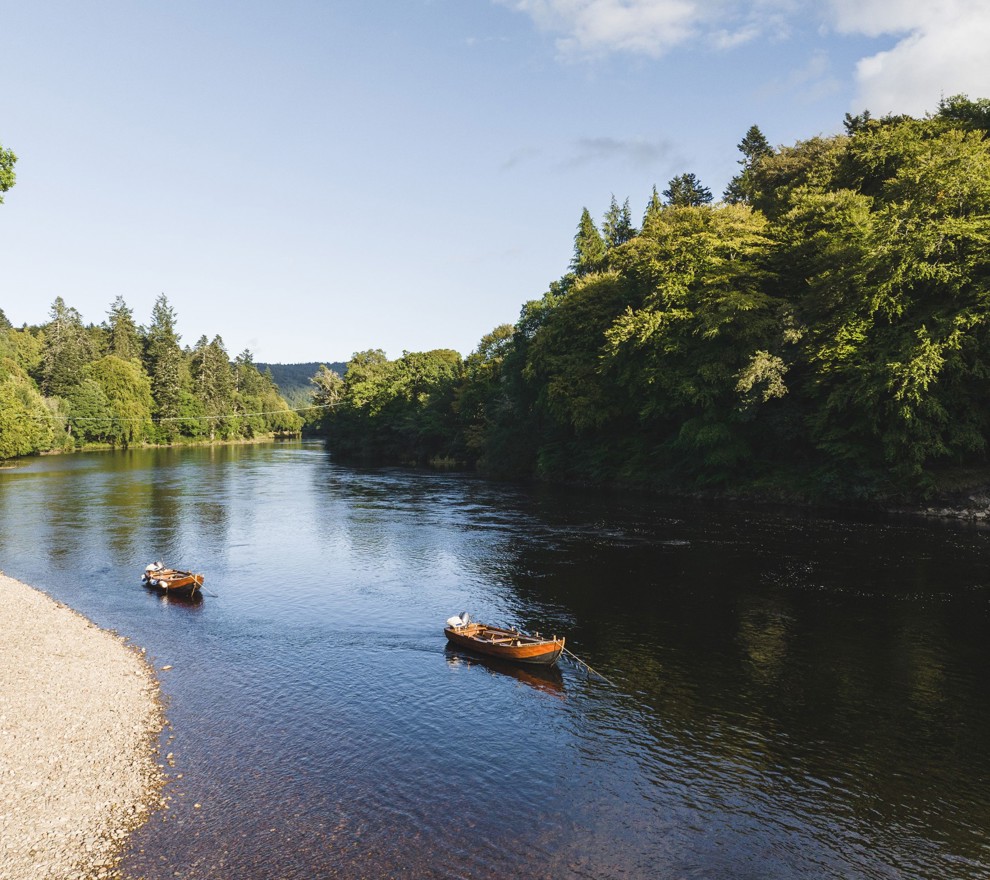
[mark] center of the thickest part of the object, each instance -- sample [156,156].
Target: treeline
[823,329]
[294,381]
[66,385]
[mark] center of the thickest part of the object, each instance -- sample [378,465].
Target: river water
[792,695]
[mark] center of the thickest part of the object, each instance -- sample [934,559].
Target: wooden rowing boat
[172,581]
[504,644]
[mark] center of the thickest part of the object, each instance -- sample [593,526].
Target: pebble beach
[80,717]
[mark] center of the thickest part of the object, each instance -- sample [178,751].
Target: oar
[577,659]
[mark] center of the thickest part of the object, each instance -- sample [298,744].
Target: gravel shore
[79,722]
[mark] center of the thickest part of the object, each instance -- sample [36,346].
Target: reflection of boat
[547,679]
[172,581]
[503,644]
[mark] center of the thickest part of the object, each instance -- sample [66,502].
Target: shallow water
[794,695]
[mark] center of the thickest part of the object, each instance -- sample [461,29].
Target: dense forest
[295,381]
[821,331]
[67,385]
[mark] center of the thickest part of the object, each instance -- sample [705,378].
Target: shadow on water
[796,695]
[548,680]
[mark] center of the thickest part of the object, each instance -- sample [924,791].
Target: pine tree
[123,339]
[67,350]
[213,379]
[617,227]
[653,208]
[754,146]
[589,246]
[686,191]
[164,365]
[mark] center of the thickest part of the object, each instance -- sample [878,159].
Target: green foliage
[589,246]
[90,413]
[294,381]
[398,410]
[127,390]
[99,390]
[754,148]
[617,225]
[831,320]
[67,348]
[7,176]
[123,339]
[686,191]
[164,364]
[27,425]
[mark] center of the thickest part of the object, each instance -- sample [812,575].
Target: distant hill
[293,379]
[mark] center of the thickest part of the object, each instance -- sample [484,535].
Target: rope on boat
[578,660]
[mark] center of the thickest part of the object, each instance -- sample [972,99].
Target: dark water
[796,695]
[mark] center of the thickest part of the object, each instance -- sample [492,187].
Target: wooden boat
[172,581]
[503,644]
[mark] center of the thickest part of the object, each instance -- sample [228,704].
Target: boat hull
[172,582]
[505,644]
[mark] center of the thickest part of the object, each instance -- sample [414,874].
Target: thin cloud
[589,28]
[520,157]
[811,82]
[638,152]
[938,47]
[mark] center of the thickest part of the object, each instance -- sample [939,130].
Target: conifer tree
[123,339]
[589,246]
[617,227]
[754,146]
[67,350]
[164,365]
[686,191]
[653,208]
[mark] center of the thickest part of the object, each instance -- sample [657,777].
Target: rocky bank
[79,722]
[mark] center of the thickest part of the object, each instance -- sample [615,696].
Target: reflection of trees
[827,673]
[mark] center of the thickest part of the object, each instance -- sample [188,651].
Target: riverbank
[79,720]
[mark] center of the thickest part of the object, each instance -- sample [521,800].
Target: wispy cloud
[639,152]
[520,157]
[938,47]
[651,27]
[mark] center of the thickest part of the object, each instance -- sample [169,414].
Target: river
[790,694]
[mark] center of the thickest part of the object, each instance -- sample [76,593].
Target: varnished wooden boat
[504,644]
[172,581]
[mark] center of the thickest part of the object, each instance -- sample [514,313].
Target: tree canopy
[67,384]
[824,330]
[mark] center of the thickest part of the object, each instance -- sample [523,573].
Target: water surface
[795,695]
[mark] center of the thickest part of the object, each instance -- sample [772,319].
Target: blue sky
[311,179]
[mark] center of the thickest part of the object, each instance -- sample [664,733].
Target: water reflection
[797,695]
[547,680]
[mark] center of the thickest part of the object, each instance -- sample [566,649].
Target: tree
[961,112]
[213,384]
[327,393]
[27,425]
[67,348]
[617,227]
[679,356]
[128,391]
[653,208]
[754,147]
[123,339]
[7,176]
[90,412]
[164,363]
[589,246]
[686,191]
